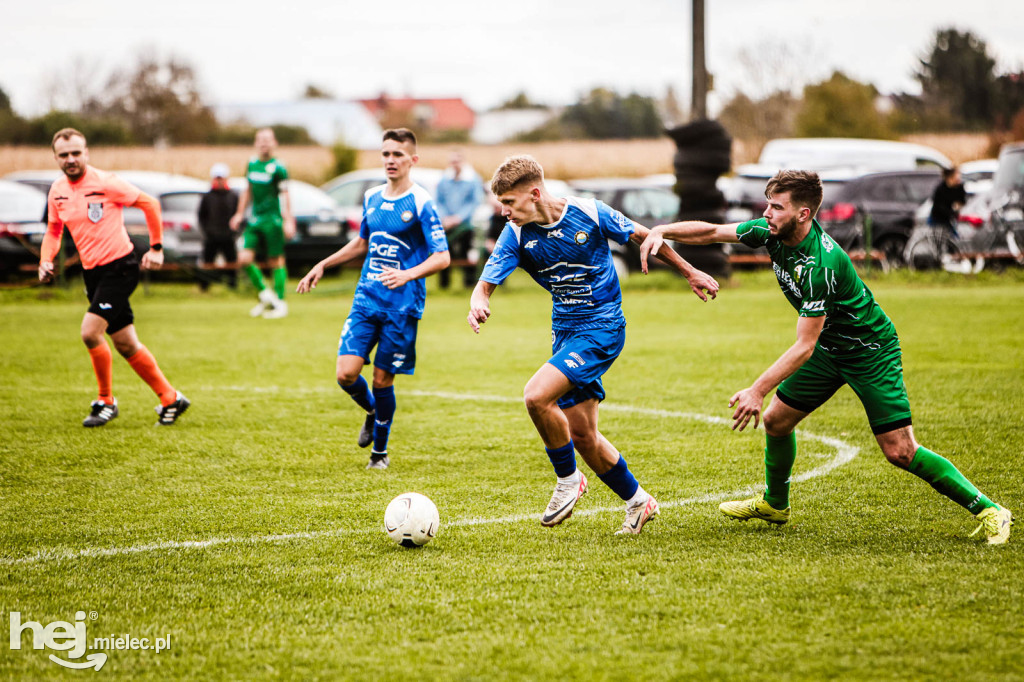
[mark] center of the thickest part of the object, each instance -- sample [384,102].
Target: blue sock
[360,392]
[620,479]
[385,401]
[563,459]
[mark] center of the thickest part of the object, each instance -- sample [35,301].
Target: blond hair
[515,171]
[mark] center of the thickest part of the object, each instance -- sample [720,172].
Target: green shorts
[265,238]
[876,377]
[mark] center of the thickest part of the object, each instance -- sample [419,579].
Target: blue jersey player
[563,244]
[402,240]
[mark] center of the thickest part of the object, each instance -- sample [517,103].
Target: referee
[89,202]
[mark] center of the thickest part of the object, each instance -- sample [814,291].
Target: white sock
[573,478]
[639,496]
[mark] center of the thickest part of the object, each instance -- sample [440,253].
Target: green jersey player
[843,337]
[271,225]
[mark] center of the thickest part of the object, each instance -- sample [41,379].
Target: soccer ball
[411,520]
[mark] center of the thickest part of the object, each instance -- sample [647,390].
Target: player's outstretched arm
[687,232]
[700,282]
[750,401]
[354,249]
[393,278]
[479,304]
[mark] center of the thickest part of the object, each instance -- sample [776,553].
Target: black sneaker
[101,413]
[366,433]
[170,414]
[378,461]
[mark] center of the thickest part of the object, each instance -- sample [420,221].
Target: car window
[650,204]
[884,189]
[830,191]
[350,193]
[921,187]
[181,202]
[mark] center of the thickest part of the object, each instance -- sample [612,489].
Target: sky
[554,50]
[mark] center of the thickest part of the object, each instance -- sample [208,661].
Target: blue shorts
[394,334]
[583,356]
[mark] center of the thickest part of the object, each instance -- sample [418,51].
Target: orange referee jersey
[92,210]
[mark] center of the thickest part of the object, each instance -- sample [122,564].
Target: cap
[220,170]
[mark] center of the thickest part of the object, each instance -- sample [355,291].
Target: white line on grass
[845,452]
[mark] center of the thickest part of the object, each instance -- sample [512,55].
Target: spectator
[215,211]
[947,200]
[459,192]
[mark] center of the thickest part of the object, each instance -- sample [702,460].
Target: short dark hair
[65,134]
[804,188]
[400,135]
[947,173]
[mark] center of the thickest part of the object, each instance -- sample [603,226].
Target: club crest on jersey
[581,237]
[827,242]
[406,216]
[96,211]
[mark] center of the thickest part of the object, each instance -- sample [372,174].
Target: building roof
[437,113]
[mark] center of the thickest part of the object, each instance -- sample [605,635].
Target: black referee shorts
[108,288]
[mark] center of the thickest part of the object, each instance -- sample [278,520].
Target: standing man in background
[459,192]
[216,209]
[272,224]
[90,203]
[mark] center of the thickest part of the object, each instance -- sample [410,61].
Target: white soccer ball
[411,520]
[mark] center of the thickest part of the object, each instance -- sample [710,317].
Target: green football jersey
[818,279]
[265,178]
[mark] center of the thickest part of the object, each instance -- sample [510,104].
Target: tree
[313,91]
[841,107]
[519,101]
[957,76]
[5,103]
[159,100]
[604,114]
[756,122]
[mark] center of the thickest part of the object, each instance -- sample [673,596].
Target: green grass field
[251,534]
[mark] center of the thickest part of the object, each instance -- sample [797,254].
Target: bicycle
[998,240]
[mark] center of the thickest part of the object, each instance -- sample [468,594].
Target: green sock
[256,276]
[940,474]
[779,455]
[280,281]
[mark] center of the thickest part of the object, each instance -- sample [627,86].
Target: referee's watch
[156,247]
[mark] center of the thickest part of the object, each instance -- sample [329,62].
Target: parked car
[839,156]
[645,201]
[891,199]
[21,226]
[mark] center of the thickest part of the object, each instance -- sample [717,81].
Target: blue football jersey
[400,233]
[571,259]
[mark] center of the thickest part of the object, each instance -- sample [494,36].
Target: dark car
[889,199]
[641,200]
